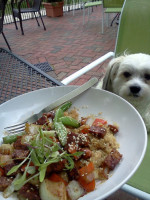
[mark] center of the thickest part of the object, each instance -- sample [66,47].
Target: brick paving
[68,46]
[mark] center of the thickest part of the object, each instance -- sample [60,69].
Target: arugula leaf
[39,150]
[43,168]
[68,157]
[52,160]
[15,168]
[34,158]
[11,188]
[20,181]
[49,133]
[32,177]
[48,140]
[31,170]
[42,173]
[70,164]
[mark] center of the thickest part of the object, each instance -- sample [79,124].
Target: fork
[79,90]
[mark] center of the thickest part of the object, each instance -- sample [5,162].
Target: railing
[68,6]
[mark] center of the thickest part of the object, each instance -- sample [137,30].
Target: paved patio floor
[67,46]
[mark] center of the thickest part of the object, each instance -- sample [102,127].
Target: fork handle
[64,98]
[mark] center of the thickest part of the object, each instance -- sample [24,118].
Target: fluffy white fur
[129,77]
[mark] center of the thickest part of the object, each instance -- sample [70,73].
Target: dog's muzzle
[135,90]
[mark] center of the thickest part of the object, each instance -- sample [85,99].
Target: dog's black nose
[135,89]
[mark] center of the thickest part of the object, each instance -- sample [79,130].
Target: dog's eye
[147,76]
[126,74]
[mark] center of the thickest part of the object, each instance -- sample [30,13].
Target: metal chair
[111,6]
[17,12]
[2,13]
[89,5]
[134,37]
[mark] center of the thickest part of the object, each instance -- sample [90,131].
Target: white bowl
[132,135]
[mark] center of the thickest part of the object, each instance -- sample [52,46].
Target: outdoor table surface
[18,76]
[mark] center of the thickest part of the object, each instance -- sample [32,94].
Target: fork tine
[15,128]
[14,131]
[16,125]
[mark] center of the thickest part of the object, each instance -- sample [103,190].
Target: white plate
[132,136]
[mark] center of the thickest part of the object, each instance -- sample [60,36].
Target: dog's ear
[111,72]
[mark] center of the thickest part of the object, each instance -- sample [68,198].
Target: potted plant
[54,8]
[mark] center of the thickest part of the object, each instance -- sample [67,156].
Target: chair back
[36,4]
[134,37]
[2,12]
[113,3]
[134,28]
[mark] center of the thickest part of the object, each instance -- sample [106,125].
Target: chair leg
[116,16]
[6,41]
[80,3]
[36,19]
[73,7]
[20,18]
[15,21]
[42,21]
[118,19]
[102,22]
[89,12]
[107,19]
[83,14]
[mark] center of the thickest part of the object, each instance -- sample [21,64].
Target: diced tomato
[87,186]
[90,186]
[31,163]
[57,178]
[99,122]
[23,167]
[88,178]
[86,169]
[2,172]
[85,130]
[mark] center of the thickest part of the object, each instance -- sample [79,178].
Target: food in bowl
[58,157]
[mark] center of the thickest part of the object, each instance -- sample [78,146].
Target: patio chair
[89,5]
[134,37]
[111,6]
[17,12]
[2,13]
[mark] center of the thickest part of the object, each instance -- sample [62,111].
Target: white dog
[129,77]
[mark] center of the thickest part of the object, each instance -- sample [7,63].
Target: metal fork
[20,127]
